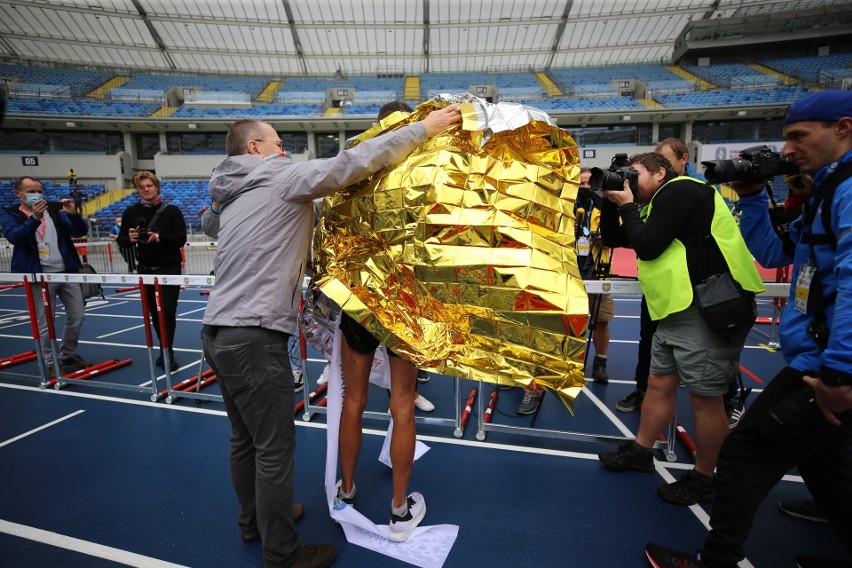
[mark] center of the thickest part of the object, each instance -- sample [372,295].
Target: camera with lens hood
[754,164]
[612,178]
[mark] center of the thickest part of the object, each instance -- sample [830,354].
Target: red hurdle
[684,437]
[313,395]
[18,358]
[91,372]
[468,407]
[490,410]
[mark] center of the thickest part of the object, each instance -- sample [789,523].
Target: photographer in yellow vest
[684,236]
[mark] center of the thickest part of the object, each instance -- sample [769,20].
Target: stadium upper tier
[27,77]
[601,80]
[824,68]
[251,85]
[54,91]
[732,75]
[774,96]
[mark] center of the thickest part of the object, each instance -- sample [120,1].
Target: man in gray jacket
[266,219]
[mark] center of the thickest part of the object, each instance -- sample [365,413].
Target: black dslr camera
[612,179]
[754,164]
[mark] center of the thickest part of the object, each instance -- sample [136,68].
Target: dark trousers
[647,327]
[758,453]
[169,300]
[253,371]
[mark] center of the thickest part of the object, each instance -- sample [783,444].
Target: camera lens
[726,170]
[606,180]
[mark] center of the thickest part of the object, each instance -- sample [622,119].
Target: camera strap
[824,195]
[153,222]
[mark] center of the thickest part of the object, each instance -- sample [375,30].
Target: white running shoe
[400,528]
[323,378]
[423,403]
[298,383]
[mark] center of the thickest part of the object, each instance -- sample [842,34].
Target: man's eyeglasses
[279,143]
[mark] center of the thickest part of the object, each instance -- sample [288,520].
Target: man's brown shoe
[75,363]
[316,556]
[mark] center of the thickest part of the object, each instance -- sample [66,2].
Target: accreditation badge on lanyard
[583,246]
[804,280]
[42,245]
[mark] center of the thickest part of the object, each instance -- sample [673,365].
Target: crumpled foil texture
[461,258]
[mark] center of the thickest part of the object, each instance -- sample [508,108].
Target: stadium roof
[322,37]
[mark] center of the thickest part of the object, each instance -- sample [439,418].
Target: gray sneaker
[530,402]
[599,374]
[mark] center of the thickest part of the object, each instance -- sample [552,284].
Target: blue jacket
[21,232]
[835,274]
[693,173]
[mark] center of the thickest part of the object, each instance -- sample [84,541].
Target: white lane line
[40,428]
[83,546]
[126,329]
[192,311]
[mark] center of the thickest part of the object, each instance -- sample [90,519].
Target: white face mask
[32,198]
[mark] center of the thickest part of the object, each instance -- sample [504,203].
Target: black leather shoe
[316,556]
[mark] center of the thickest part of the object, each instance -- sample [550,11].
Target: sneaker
[74,363]
[631,402]
[662,557]
[298,383]
[530,402]
[690,489]
[401,527]
[323,378]
[599,373]
[734,409]
[316,556]
[629,456]
[422,403]
[347,498]
[807,510]
[422,377]
[817,562]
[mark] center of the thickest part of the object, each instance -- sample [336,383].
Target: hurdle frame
[622,287]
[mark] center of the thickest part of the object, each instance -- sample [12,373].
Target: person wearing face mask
[41,233]
[157,232]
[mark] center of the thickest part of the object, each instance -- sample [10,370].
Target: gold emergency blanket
[461,259]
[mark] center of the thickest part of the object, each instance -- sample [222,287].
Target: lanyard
[42,228]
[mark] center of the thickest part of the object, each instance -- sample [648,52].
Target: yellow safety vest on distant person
[665,280]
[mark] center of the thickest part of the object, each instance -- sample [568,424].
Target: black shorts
[358,338]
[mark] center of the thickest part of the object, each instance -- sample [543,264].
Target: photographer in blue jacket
[41,232]
[803,418]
